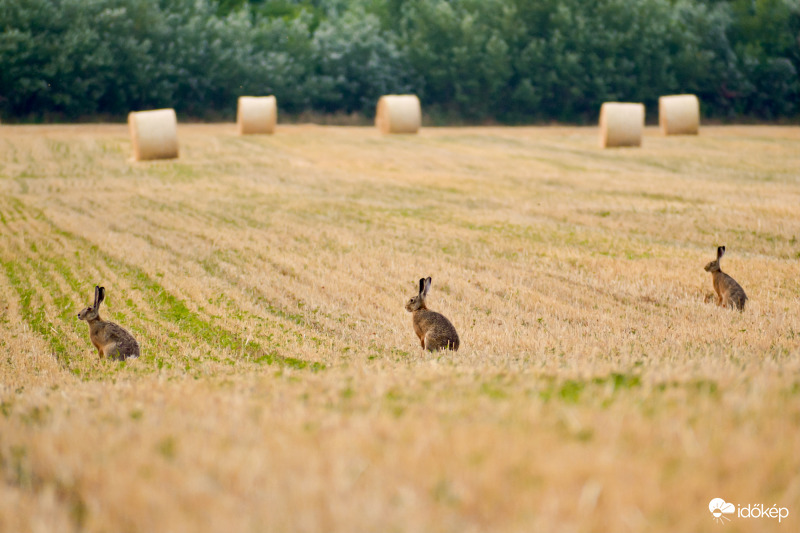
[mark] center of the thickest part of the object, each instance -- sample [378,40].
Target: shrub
[507,60]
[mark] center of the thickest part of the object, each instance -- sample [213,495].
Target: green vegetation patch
[30,276]
[34,315]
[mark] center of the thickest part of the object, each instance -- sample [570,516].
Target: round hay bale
[256,114]
[679,114]
[154,134]
[621,124]
[398,113]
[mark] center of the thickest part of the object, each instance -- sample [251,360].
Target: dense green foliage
[506,60]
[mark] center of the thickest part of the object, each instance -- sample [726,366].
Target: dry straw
[398,113]
[679,114]
[288,395]
[621,124]
[154,134]
[257,114]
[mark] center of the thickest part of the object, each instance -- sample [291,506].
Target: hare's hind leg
[432,344]
[427,343]
[112,351]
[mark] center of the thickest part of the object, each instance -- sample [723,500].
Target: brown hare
[435,332]
[729,293]
[110,339]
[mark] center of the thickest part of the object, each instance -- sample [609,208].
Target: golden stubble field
[281,386]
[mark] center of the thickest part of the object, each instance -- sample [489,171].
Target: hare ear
[720,252]
[427,286]
[101,296]
[96,296]
[421,286]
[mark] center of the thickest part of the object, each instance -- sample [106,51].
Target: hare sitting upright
[729,293]
[435,332]
[110,339]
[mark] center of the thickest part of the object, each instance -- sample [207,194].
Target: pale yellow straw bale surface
[256,114]
[621,124]
[281,386]
[153,134]
[398,113]
[679,114]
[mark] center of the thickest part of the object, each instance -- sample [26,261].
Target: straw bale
[621,124]
[257,114]
[679,114]
[398,113]
[154,134]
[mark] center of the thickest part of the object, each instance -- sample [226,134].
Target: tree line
[510,61]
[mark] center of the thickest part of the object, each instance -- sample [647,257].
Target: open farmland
[281,386]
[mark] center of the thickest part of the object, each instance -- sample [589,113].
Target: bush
[354,64]
[507,60]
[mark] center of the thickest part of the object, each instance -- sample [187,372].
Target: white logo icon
[719,509]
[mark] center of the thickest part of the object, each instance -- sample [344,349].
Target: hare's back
[733,290]
[439,331]
[126,344]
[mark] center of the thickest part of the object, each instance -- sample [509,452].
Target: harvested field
[281,386]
